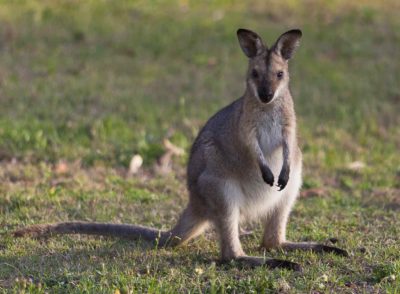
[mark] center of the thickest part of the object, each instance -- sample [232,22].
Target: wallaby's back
[215,147]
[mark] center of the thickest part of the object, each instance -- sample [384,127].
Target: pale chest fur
[269,135]
[258,197]
[255,197]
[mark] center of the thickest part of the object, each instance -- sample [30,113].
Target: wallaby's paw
[282,183]
[267,175]
[283,178]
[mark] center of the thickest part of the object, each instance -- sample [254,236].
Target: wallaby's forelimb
[285,171]
[266,172]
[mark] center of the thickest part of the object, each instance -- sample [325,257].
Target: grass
[91,83]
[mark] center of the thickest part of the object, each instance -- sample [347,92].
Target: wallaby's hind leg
[231,248]
[223,210]
[189,226]
[275,226]
[226,221]
[227,225]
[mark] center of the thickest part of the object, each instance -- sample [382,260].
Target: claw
[281,186]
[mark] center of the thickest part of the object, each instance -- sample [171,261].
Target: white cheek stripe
[254,88]
[278,91]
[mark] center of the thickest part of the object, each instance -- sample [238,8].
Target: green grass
[94,82]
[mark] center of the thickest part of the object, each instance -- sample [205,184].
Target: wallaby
[233,165]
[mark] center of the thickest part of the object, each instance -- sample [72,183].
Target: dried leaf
[135,164]
[313,192]
[61,168]
[163,165]
[356,165]
[173,148]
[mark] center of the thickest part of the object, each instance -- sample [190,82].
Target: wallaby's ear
[287,43]
[250,42]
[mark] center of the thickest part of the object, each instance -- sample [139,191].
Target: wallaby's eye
[280,74]
[254,74]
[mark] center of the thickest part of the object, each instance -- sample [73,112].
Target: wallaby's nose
[265,94]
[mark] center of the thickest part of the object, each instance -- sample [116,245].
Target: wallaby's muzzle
[265,94]
[267,98]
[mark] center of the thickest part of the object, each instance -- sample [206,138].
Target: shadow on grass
[99,257]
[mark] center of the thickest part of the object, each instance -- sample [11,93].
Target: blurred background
[102,80]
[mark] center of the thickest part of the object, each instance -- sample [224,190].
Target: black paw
[267,175]
[283,178]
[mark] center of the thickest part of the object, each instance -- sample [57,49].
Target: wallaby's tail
[89,228]
[188,226]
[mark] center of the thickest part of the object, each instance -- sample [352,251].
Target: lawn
[85,85]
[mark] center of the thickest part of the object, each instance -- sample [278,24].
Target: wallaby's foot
[310,246]
[253,261]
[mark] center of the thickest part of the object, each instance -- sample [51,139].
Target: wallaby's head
[268,72]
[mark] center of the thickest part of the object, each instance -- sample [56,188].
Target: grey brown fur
[240,154]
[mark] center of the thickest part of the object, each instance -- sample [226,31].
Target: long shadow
[66,267]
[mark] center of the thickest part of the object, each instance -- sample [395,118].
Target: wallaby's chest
[269,135]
